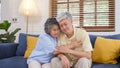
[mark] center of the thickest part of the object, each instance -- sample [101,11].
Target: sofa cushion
[7,50]
[31,44]
[94,65]
[106,50]
[93,38]
[13,62]
[23,43]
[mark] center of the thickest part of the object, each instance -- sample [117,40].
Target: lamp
[28,8]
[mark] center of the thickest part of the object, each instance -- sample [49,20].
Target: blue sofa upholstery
[7,50]
[11,54]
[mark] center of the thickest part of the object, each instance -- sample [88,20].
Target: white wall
[10,10]
[36,24]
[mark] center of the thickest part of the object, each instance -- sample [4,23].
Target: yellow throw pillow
[106,51]
[31,43]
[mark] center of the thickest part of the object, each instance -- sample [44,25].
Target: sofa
[11,54]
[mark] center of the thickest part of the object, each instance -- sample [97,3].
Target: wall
[10,10]
[36,24]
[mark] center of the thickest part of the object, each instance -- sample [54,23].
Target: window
[93,15]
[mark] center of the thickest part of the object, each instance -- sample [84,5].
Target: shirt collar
[72,36]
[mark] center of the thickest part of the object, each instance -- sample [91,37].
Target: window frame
[109,28]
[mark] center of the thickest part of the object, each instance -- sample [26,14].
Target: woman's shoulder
[44,36]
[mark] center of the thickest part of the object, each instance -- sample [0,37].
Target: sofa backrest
[93,37]
[23,43]
[7,50]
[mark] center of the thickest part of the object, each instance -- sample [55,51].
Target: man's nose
[64,27]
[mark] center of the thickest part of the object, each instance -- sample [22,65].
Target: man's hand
[76,44]
[64,61]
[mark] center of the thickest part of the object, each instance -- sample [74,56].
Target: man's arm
[64,61]
[74,52]
[73,45]
[81,54]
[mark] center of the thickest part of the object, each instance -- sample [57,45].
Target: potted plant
[7,37]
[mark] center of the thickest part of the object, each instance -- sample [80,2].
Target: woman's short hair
[49,23]
[64,15]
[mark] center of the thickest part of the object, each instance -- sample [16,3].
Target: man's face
[66,26]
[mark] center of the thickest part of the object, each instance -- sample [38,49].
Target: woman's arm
[56,52]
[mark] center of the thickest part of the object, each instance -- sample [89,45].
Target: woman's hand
[76,43]
[64,61]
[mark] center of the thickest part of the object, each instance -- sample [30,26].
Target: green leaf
[5,25]
[8,37]
[15,31]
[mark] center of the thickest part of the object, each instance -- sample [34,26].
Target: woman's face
[66,26]
[55,31]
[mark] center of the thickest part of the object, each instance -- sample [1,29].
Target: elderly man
[71,57]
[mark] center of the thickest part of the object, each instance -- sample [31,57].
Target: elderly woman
[78,57]
[42,54]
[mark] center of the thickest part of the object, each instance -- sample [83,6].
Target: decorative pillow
[23,43]
[106,51]
[31,43]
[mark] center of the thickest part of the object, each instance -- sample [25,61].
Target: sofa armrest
[7,50]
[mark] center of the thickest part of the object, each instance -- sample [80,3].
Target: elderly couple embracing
[61,45]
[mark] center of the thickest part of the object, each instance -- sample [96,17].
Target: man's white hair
[64,15]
